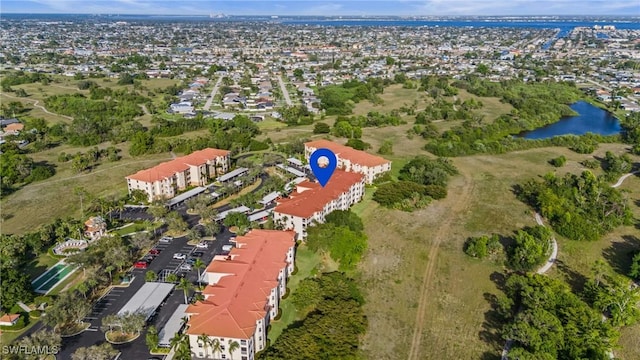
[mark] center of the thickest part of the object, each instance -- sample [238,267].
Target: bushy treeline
[442,109]
[340,99]
[17,169]
[96,121]
[235,135]
[20,77]
[528,248]
[535,105]
[351,126]
[579,207]
[631,131]
[333,326]
[342,236]
[545,320]
[421,180]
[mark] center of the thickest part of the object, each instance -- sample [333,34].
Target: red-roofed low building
[9,319]
[164,180]
[352,160]
[242,295]
[310,202]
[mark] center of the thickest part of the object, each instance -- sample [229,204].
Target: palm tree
[199,264]
[185,285]
[204,339]
[172,278]
[233,346]
[215,346]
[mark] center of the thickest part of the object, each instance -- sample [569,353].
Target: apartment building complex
[242,295]
[309,203]
[351,160]
[164,180]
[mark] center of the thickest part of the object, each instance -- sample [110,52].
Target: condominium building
[352,160]
[242,296]
[310,202]
[164,180]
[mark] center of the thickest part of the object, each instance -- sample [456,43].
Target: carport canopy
[147,299]
[173,326]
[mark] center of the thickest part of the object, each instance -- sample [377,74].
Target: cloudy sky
[327,7]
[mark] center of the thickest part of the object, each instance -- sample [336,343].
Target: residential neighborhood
[162,196]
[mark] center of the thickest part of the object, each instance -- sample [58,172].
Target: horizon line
[326,15]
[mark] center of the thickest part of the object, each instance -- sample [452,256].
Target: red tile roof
[9,318]
[311,197]
[169,168]
[351,154]
[238,300]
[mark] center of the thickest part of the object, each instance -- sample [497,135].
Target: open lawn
[307,262]
[418,281]
[41,202]
[393,97]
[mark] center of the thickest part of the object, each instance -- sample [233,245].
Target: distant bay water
[565,25]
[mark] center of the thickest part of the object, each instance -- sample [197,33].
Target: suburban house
[95,228]
[242,295]
[164,180]
[9,319]
[351,160]
[309,203]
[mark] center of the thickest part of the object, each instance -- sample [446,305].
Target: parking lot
[117,297]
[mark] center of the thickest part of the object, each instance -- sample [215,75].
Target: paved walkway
[553,257]
[35,104]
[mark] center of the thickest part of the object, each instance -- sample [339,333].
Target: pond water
[590,119]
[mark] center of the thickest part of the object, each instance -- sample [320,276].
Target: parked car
[202,245]
[148,258]
[154,252]
[141,264]
[179,256]
[185,267]
[191,261]
[197,254]
[227,248]
[166,239]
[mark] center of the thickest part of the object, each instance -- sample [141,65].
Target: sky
[326,7]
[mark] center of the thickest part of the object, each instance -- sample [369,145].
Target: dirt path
[459,203]
[35,104]
[623,178]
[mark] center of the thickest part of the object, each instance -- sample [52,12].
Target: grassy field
[67,85]
[41,202]
[403,247]
[306,263]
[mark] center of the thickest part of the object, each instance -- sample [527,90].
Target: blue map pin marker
[323,173]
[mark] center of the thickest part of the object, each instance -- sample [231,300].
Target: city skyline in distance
[330,8]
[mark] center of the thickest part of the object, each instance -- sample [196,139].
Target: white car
[185,267]
[179,256]
[227,248]
[166,239]
[202,245]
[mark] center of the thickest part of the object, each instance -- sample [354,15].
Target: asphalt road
[113,301]
[117,297]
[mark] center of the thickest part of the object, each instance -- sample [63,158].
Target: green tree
[185,285]
[152,339]
[233,346]
[199,265]
[531,248]
[321,128]
[150,276]
[307,295]
[386,148]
